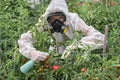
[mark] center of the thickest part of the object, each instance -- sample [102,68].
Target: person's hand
[74,45]
[37,56]
[66,52]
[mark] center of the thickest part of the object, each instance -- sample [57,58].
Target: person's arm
[93,38]
[27,49]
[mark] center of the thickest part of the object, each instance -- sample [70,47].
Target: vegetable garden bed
[17,17]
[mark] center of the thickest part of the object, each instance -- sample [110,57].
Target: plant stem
[105,40]
[14,57]
[57,45]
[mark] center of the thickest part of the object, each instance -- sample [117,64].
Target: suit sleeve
[93,38]
[26,44]
[27,39]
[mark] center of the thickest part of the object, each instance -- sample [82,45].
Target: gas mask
[57,26]
[56,21]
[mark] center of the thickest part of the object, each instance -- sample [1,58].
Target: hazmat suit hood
[57,6]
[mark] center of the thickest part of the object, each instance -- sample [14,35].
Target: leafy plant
[16,17]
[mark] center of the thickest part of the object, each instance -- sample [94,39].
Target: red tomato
[38,79]
[55,67]
[119,77]
[113,3]
[118,66]
[83,69]
[47,66]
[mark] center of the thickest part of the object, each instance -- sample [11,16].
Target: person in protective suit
[61,24]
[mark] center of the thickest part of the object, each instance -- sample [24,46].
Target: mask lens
[57,15]
[54,18]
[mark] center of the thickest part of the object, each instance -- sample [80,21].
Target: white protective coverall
[94,39]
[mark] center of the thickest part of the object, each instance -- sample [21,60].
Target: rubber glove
[74,45]
[37,56]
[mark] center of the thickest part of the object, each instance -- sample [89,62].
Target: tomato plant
[16,17]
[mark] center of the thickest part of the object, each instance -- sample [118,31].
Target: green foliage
[16,17]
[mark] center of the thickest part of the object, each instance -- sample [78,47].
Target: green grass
[16,17]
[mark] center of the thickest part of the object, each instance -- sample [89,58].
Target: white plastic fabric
[94,39]
[56,6]
[26,48]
